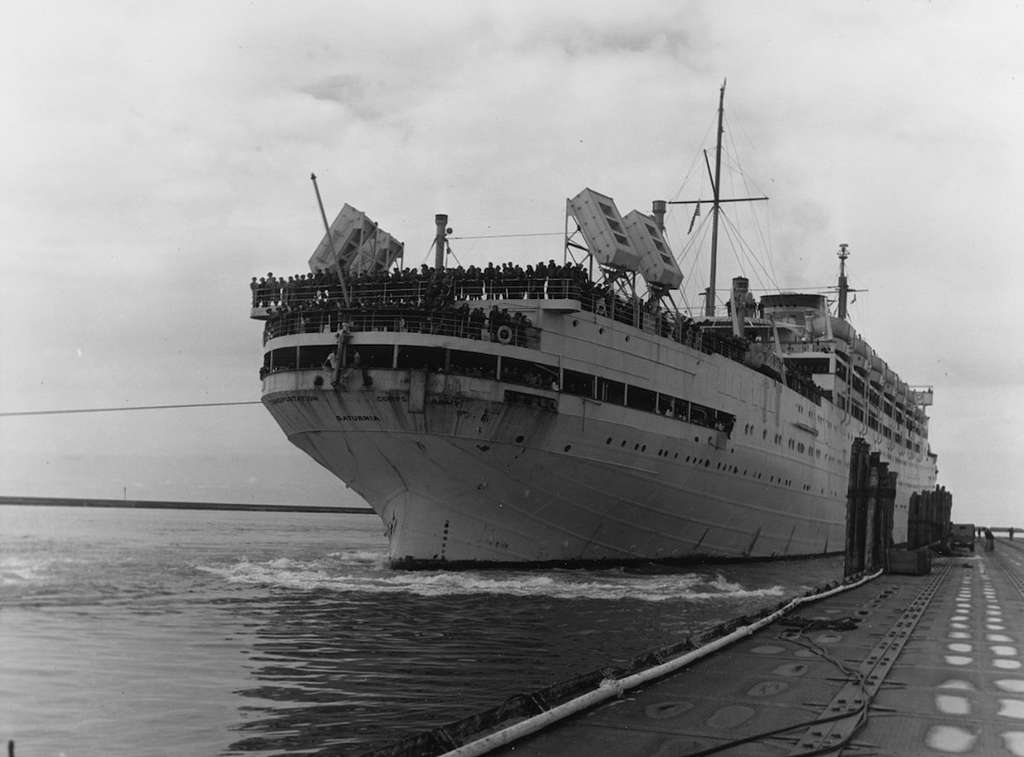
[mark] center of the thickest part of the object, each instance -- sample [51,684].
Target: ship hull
[461,478]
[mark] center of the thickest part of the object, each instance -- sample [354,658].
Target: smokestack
[658,211]
[440,240]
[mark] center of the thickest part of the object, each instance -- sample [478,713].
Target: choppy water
[149,632]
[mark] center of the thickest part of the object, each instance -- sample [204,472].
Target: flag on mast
[696,212]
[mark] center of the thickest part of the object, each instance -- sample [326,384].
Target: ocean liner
[567,412]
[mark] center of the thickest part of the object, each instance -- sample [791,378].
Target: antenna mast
[844,287]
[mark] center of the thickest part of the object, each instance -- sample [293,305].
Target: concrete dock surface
[903,665]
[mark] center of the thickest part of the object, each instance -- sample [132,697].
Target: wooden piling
[887,499]
[870,504]
[854,557]
[870,507]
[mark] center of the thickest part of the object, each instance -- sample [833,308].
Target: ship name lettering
[358,418]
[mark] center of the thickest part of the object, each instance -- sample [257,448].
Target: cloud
[157,156]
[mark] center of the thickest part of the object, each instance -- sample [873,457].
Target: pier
[888,665]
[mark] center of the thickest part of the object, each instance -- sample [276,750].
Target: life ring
[504,334]
[601,309]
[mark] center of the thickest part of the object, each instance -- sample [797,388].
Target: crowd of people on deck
[427,286]
[441,302]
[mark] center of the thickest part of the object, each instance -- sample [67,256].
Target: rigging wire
[512,236]
[749,253]
[696,157]
[697,244]
[751,187]
[133,408]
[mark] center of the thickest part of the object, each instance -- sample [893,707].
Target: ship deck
[900,665]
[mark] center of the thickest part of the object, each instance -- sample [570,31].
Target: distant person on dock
[990,540]
[1011,533]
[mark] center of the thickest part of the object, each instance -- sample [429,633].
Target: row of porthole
[749,428]
[638,447]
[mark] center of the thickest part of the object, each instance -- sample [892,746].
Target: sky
[157,155]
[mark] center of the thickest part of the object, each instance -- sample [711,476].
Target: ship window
[574,382]
[724,421]
[374,355]
[429,358]
[680,408]
[473,364]
[313,356]
[529,373]
[611,391]
[642,399]
[812,364]
[703,416]
[283,359]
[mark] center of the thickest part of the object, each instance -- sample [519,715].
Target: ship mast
[709,299]
[709,293]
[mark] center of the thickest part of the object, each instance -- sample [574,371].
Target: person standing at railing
[487,277]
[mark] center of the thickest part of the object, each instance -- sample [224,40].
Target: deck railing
[444,307]
[456,323]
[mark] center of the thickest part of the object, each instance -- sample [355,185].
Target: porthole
[519,439]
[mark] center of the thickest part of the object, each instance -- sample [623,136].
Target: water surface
[145,632]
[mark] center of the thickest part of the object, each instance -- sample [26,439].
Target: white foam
[339,574]
[17,570]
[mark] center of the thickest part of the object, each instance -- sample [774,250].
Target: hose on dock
[611,688]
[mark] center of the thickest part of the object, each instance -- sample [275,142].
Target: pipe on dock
[611,688]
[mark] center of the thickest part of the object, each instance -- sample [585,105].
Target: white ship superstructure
[549,415]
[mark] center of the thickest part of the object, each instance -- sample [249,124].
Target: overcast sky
[157,155]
